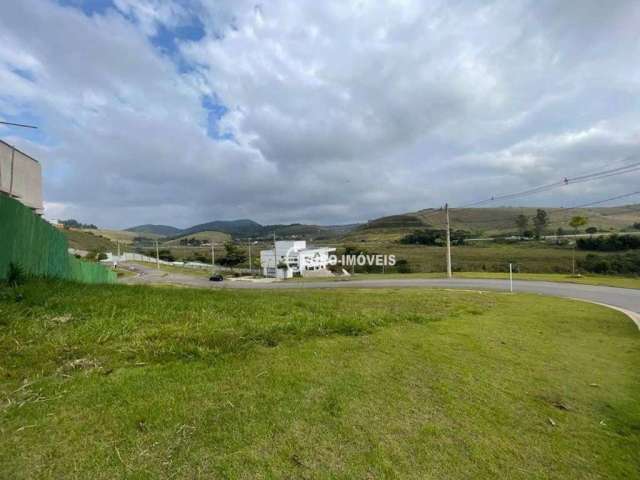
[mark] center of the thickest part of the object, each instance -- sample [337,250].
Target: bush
[15,275]
[424,237]
[628,263]
[432,237]
[611,243]
[166,256]
[402,266]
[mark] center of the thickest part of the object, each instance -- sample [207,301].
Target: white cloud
[339,110]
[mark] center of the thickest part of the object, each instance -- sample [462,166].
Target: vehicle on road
[216,277]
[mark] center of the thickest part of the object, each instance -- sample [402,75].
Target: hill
[248,228]
[494,221]
[205,236]
[122,236]
[163,230]
[88,240]
[243,227]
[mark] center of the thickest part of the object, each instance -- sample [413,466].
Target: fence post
[510,278]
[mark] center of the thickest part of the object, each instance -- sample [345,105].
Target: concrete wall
[20,177]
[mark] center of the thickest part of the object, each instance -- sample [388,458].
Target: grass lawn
[529,257]
[88,240]
[149,382]
[591,279]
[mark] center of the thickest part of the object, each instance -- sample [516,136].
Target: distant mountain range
[495,220]
[244,228]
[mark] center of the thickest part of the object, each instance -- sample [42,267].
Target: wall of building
[20,177]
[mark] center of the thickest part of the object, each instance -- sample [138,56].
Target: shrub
[610,243]
[402,266]
[424,237]
[15,275]
[628,263]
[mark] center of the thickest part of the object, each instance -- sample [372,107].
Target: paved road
[622,298]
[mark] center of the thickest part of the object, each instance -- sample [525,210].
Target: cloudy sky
[180,112]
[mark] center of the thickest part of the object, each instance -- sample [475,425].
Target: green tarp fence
[40,249]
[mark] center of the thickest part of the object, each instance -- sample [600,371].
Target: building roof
[18,150]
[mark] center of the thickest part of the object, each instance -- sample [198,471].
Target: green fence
[40,249]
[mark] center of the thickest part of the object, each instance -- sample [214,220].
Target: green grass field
[207,236]
[88,240]
[592,279]
[529,257]
[140,382]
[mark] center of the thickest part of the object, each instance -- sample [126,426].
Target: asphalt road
[623,298]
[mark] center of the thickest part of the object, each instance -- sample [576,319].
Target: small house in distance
[292,257]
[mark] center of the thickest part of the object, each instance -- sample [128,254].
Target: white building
[293,258]
[20,177]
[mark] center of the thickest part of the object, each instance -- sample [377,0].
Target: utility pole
[118,242]
[573,260]
[446,211]
[510,278]
[213,256]
[157,256]
[250,267]
[275,258]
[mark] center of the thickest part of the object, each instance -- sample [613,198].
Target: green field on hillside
[123,236]
[140,382]
[207,236]
[88,240]
[494,221]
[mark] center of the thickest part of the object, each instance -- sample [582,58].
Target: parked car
[216,277]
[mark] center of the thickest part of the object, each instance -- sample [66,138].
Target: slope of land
[205,236]
[160,230]
[113,381]
[494,221]
[122,236]
[243,227]
[88,240]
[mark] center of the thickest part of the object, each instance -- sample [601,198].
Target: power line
[17,124]
[630,168]
[598,202]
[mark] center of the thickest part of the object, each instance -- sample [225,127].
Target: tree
[166,256]
[233,256]
[522,222]
[424,237]
[402,266]
[540,222]
[577,222]
[72,223]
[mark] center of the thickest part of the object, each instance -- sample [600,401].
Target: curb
[632,315]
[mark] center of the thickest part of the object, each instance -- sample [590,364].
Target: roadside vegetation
[141,382]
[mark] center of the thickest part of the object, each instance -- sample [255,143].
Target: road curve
[626,299]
